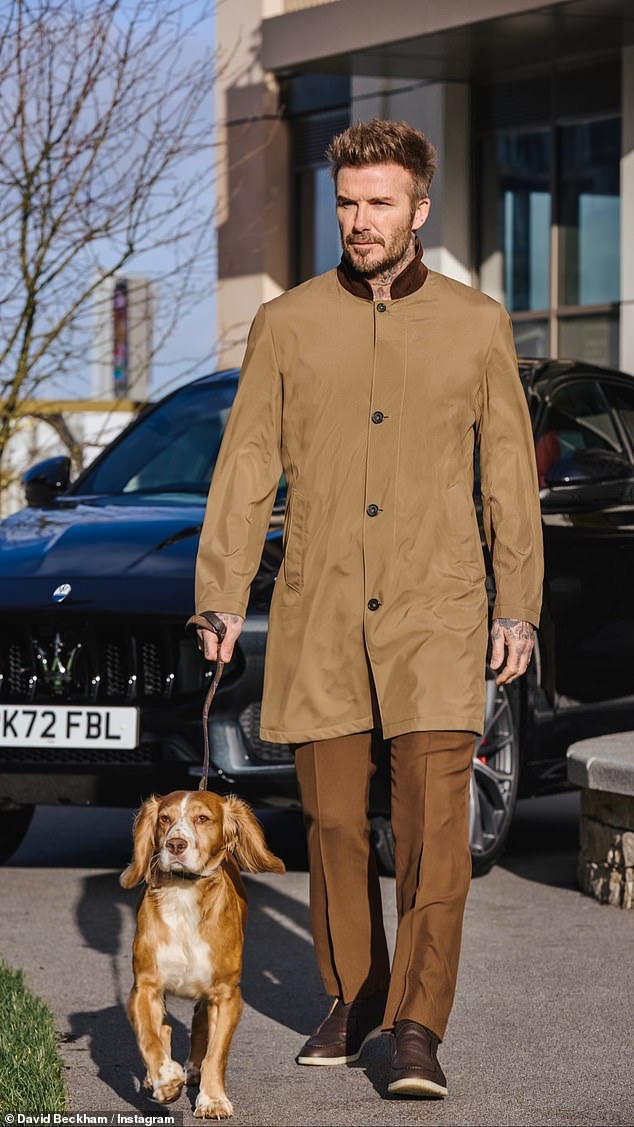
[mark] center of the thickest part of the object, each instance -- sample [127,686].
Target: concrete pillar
[626,343]
[252,181]
[442,112]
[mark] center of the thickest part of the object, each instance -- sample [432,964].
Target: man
[369,386]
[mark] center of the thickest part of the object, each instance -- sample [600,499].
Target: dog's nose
[176,845]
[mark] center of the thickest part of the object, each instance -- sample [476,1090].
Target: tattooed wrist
[229,619]
[518,627]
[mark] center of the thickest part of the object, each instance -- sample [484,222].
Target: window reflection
[522,171]
[590,212]
[577,418]
[621,399]
[531,338]
[319,246]
[524,161]
[594,338]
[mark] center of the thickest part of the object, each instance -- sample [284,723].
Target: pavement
[541,1031]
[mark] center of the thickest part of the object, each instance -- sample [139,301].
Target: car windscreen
[170,450]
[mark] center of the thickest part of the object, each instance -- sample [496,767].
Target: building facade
[531,106]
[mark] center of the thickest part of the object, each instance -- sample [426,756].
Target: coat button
[372,510]
[378,417]
[373,604]
[381,307]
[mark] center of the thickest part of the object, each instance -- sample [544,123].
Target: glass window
[577,418]
[320,248]
[621,399]
[523,191]
[589,212]
[519,170]
[593,338]
[316,233]
[171,450]
[531,338]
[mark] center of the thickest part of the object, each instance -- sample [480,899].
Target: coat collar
[407,282]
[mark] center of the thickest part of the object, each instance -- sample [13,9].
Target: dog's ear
[244,838]
[144,830]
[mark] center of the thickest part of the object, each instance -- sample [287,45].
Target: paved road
[541,1032]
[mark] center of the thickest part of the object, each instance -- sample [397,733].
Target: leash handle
[209,621]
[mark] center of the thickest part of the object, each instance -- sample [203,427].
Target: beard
[385,255]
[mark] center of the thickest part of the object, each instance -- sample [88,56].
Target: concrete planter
[604,769]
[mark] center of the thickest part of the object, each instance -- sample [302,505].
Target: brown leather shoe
[415,1070]
[345,1031]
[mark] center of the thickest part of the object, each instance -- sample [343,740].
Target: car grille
[260,750]
[43,757]
[17,675]
[101,662]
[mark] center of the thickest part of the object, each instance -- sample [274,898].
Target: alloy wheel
[495,778]
[494,783]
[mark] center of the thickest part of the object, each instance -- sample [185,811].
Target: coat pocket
[465,531]
[294,537]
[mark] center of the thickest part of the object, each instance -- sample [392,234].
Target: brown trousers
[431,773]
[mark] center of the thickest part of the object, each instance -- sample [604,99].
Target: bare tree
[105,156]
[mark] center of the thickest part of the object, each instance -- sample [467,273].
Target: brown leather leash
[209,621]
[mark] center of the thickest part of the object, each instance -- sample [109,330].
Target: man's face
[376,215]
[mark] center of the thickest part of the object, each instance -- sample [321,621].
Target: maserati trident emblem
[55,663]
[62,592]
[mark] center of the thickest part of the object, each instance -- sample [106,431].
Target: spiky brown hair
[383,142]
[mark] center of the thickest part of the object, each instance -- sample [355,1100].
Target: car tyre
[494,783]
[14,825]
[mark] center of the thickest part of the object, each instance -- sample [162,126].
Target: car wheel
[14,824]
[494,785]
[495,777]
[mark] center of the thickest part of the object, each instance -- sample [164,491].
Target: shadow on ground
[110,1041]
[543,843]
[280,980]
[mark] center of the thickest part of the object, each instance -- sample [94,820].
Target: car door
[588,539]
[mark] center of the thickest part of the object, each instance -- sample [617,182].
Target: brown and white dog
[190,934]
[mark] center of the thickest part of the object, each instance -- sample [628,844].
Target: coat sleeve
[244,482]
[508,482]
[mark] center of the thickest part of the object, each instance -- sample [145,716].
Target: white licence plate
[62,725]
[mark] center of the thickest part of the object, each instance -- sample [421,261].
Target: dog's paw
[147,1083]
[169,1083]
[192,1071]
[212,1107]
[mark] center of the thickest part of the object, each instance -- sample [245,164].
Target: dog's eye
[164,819]
[202,818]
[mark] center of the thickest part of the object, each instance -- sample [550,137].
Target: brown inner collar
[407,282]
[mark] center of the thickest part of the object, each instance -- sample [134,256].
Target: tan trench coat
[371,409]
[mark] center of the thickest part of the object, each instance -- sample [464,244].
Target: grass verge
[30,1068]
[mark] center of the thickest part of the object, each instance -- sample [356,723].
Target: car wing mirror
[589,467]
[45,481]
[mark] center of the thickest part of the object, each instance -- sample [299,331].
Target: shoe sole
[415,1086]
[331,1062]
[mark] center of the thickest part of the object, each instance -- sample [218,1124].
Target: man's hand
[519,637]
[208,641]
